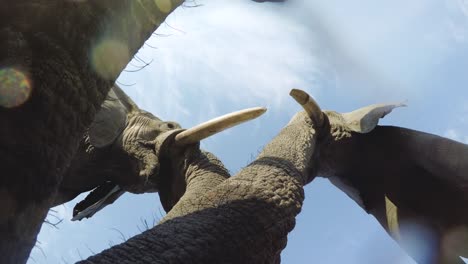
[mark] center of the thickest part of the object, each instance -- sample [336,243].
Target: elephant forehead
[338,127]
[145,127]
[336,119]
[143,113]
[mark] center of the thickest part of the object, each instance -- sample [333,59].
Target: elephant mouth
[97,199]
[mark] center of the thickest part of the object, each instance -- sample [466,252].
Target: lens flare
[418,239]
[15,88]
[164,6]
[109,57]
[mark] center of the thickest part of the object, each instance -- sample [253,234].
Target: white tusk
[217,125]
[309,105]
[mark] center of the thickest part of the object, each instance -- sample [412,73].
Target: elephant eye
[149,128]
[165,126]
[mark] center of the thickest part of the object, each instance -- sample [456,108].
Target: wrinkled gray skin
[216,219]
[71,53]
[118,150]
[260,203]
[424,176]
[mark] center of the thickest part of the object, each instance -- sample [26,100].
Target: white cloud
[251,58]
[463,4]
[388,48]
[456,135]
[463,118]
[452,134]
[458,19]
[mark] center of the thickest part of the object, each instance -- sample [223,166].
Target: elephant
[410,181]
[116,154]
[56,71]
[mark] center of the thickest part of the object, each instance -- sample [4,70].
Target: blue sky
[230,54]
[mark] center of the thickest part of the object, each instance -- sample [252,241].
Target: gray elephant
[410,181]
[119,152]
[56,71]
[116,154]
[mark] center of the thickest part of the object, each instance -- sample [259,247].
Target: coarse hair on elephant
[414,183]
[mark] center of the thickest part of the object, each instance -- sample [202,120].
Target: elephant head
[404,178]
[120,152]
[116,153]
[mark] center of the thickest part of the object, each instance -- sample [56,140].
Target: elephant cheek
[143,177]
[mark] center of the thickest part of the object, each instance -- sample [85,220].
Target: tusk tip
[300,96]
[217,125]
[258,110]
[309,105]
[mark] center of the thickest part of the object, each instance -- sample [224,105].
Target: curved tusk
[217,125]
[309,105]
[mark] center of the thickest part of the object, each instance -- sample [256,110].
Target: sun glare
[15,88]
[108,58]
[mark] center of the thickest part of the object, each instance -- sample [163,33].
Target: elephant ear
[111,119]
[365,119]
[124,99]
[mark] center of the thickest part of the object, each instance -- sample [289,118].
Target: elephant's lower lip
[95,200]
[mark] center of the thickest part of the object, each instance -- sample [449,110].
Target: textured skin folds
[39,138]
[242,219]
[423,175]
